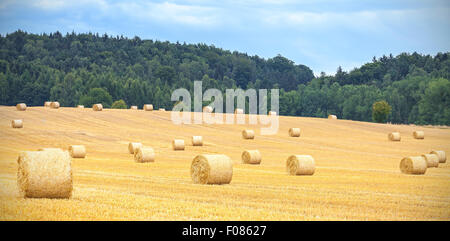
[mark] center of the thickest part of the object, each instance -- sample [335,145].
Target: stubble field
[357,170]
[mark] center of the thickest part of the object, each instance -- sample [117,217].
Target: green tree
[96,95]
[119,104]
[380,111]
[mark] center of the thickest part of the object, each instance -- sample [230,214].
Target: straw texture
[248,134]
[54,105]
[300,165]
[441,155]
[144,154]
[97,107]
[197,140]
[413,165]
[21,107]
[148,107]
[77,151]
[45,174]
[16,123]
[133,146]
[178,145]
[418,135]
[294,132]
[212,169]
[394,136]
[432,160]
[251,157]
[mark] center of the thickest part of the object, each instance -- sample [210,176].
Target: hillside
[51,66]
[357,170]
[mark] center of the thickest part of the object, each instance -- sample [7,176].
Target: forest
[88,68]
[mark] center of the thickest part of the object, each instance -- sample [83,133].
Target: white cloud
[171,12]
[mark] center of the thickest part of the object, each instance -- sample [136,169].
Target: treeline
[83,68]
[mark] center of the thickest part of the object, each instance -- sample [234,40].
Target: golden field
[357,170]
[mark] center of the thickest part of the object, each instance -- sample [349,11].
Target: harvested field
[357,175]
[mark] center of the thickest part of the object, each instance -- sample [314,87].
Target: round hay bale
[441,155]
[133,107]
[432,160]
[212,169]
[418,135]
[16,123]
[394,136]
[77,151]
[333,117]
[148,107]
[272,113]
[208,109]
[162,109]
[45,174]
[197,140]
[251,157]
[54,105]
[97,107]
[80,106]
[144,154]
[294,132]
[300,165]
[133,146]
[178,145]
[21,107]
[47,103]
[413,165]
[248,134]
[238,111]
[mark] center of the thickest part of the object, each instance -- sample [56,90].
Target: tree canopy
[89,68]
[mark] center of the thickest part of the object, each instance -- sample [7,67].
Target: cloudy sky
[321,34]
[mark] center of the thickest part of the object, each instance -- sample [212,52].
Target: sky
[321,34]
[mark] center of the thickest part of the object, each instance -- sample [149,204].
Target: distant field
[357,170]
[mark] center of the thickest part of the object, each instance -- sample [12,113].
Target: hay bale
[47,103]
[294,132]
[162,109]
[441,155]
[212,169]
[248,134]
[251,157]
[238,111]
[432,160]
[178,145]
[418,135]
[77,151]
[413,165]
[394,136]
[144,154]
[45,174]
[80,106]
[332,117]
[97,107]
[197,140]
[300,165]
[133,107]
[16,123]
[54,105]
[133,146]
[147,107]
[272,113]
[208,109]
[21,107]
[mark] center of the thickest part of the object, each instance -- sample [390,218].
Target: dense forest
[87,68]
